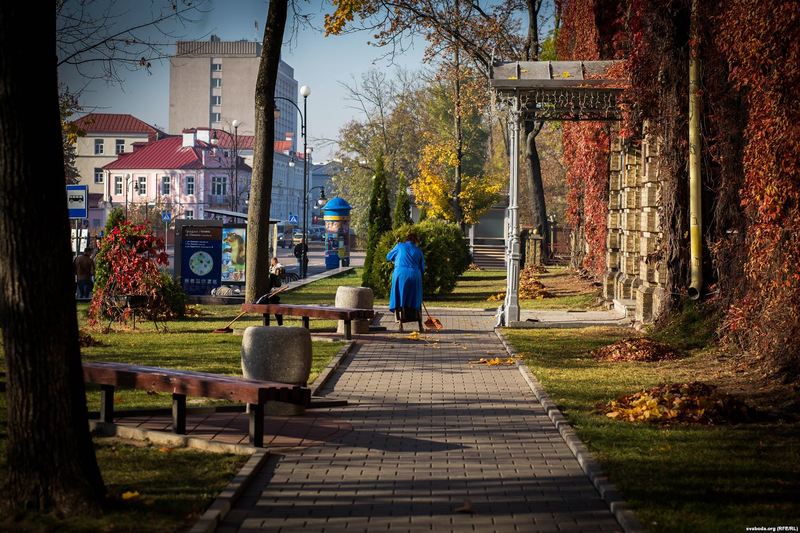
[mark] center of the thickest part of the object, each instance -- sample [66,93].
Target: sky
[319,62]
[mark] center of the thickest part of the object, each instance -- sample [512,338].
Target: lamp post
[305,92]
[127,180]
[235,125]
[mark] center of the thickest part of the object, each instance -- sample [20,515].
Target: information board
[201,252]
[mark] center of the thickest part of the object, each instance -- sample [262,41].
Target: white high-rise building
[212,83]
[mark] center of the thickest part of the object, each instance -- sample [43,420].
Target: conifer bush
[446,256]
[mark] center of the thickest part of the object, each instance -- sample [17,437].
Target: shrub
[127,265]
[446,256]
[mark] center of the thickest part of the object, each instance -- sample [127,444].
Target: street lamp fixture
[235,199]
[305,92]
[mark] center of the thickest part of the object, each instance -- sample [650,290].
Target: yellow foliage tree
[435,186]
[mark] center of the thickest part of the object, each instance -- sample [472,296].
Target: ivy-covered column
[614,219]
[650,226]
[629,241]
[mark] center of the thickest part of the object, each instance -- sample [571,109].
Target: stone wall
[634,274]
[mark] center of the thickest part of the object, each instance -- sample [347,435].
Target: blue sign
[293,219]
[78,201]
[201,253]
[166,216]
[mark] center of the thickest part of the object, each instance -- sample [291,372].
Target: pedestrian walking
[405,295]
[84,274]
[301,253]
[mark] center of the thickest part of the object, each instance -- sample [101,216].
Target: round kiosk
[336,214]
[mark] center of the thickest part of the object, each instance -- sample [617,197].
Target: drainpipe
[695,145]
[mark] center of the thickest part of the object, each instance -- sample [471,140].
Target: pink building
[184,175]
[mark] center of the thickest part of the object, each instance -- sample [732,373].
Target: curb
[164,438]
[614,498]
[332,367]
[226,499]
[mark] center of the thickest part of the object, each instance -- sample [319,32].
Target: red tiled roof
[226,140]
[116,123]
[166,153]
[283,146]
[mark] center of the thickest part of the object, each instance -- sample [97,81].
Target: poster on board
[234,251]
[201,249]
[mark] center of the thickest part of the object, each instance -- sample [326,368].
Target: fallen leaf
[466,508]
[130,495]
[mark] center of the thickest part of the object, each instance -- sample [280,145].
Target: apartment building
[212,83]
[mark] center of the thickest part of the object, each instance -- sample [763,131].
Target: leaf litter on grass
[639,349]
[694,403]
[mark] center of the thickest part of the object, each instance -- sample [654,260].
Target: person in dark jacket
[405,296]
[84,274]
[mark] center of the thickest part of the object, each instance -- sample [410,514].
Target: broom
[228,329]
[432,322]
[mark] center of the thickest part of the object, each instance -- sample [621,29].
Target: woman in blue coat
[405,296]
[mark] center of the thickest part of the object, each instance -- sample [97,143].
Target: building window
[120,146]
[219,185]
[215,117]
[98,175]
[165,185]
[189,184]
[117,184]
[216,82]
[216,67]
[216,100]
[98,147]
[142,185]
[188,214]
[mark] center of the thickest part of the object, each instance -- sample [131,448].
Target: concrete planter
[354,298]
[277,354]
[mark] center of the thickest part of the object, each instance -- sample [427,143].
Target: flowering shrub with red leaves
[762,318]
[586,144]
[127,265]
[751,141]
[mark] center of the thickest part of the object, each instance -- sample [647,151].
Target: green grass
[188,344]
[175,487]
[679,478]
[472,291]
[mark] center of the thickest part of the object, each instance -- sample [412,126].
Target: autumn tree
[68,105]
[458,189]
[50,457]
[465,26]
[101,41]
[390,125]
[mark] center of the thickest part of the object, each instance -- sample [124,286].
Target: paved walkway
[436,445]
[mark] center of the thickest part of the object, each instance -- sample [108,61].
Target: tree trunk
[535,186]
[257,279]
[534,174]
[51,461]
[458,213]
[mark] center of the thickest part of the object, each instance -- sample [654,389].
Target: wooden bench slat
[182,383]
[189,383]
[312,311]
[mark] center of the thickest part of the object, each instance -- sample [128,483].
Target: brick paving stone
[427,434]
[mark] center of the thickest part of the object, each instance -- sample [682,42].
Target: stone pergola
[545,90]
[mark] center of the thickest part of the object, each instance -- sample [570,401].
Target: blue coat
[409,264]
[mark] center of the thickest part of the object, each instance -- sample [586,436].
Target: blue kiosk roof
[337,206]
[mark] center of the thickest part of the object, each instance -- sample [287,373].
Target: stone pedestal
[277,354]
[354,298]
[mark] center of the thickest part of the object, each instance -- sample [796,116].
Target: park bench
[183,383]
[311,311]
